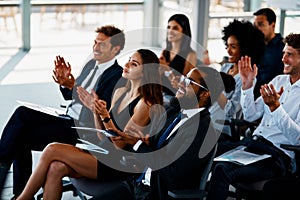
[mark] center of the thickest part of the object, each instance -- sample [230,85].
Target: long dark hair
[150,89]
[185,46]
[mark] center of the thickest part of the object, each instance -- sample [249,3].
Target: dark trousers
[225,174]
[28,130]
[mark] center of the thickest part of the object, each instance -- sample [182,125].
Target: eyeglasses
[187,81]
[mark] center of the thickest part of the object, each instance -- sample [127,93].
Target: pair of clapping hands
[63,76]
[267,91]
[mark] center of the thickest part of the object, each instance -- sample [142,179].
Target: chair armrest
[295,148]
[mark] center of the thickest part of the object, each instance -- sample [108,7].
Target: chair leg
[68,186]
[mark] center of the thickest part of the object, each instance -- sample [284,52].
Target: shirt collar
[104,66]
[191,112]
[276,39]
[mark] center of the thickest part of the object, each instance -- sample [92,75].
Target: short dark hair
[117,35]
[268,12]
[250,39]
[293,40]
[215,82]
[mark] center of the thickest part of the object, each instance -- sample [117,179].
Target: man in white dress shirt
[279,107]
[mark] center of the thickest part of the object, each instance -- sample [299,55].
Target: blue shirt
[232,108]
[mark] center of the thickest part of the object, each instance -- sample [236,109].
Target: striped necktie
[91,77]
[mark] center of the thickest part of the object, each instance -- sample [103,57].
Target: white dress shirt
[281,126]
[75,109]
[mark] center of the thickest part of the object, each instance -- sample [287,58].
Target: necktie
[91,77]
[168,130]
[162,139]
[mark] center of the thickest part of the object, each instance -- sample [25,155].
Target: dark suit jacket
[106,84]
[186,150]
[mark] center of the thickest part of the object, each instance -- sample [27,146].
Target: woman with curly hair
[241,38]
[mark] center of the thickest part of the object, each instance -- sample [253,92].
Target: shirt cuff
[137,145]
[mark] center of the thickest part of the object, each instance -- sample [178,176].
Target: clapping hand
[247,72]
[100,107]
[270,96]
[62,73]
[86,98]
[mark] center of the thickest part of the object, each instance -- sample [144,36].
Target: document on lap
[106,133]
[240,156]
[45,109]
[86,145]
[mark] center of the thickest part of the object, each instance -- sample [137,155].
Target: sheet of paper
[104,132]
[240,156]
[45,109]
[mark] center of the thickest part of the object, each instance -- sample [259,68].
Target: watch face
[106,119]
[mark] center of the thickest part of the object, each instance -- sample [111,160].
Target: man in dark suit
[271,64]
[178,160]
[28,129]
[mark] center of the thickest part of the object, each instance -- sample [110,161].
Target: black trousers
[28,130]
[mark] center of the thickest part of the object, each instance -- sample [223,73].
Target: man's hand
[270,96]
[62,73]
[247,73]
[86,98]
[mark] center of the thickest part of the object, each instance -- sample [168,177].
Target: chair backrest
[201,192]
[207,169]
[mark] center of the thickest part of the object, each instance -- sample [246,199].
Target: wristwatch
[106,119]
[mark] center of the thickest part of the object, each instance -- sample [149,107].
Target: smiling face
[174,31]
[133,69]
[188,95]
[291,60]
[233,49]
[103,49]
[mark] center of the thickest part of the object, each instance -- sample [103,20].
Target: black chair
[240,127]
[201,192]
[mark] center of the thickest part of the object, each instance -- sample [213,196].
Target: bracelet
[106,119]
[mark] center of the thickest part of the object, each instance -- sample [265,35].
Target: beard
[187,102]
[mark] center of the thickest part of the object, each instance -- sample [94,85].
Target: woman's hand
[246,71]
[99,107]
[130,136]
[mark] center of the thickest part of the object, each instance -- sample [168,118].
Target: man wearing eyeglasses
[174,160]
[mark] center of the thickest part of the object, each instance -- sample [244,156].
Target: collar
[276,39]
[191,112]
[104,66]
[187,115]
